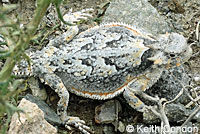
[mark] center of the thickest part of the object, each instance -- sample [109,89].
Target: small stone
[197,117]
[5,1]
[107,129]
[49,114]
[31,121]
[197,79]
[174,112]
[107,112]
[138,13]
[121,127]
[37,91]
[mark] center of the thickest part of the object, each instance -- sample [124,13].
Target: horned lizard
[103,62]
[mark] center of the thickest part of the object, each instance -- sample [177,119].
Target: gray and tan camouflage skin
[105,61]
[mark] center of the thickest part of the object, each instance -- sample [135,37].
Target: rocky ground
[155,17]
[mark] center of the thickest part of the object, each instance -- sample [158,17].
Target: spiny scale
[104,61]
[101,61]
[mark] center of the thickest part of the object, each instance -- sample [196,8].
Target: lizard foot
[77,123]
[74,17]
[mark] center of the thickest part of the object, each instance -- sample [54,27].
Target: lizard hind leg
[134,101]
[138,86]
[56,84]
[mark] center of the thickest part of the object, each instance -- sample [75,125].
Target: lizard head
[172,50]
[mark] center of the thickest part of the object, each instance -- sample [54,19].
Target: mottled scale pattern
[103,62]
[97,63]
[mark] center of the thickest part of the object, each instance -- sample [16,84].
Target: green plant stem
[24,40]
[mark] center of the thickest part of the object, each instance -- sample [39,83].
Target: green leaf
[60,16]
[5,55]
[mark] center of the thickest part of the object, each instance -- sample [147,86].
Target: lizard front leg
[139,85]
[73,18]
[72,30]
[56,84]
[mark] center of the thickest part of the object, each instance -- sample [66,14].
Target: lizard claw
[77,123]
[73,18]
